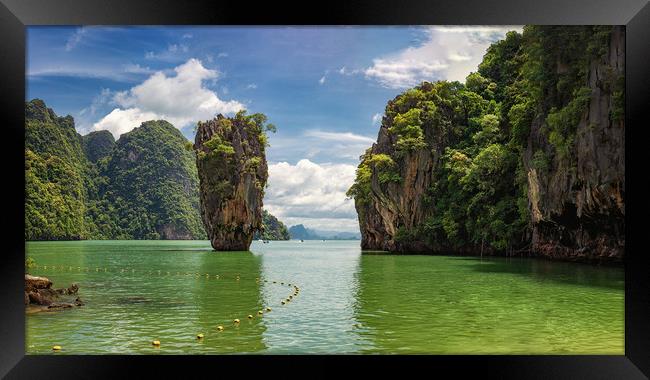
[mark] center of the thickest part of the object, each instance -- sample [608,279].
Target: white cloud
[222,55]
[322,80]
[312,194]
[82,72]
[75,38]
[342,147]
[448,53]
[376,119]
[187,35]
[345,71]
[137,69]
[181,99]
[251,86]
[174,52]
[120,121]
[339,136]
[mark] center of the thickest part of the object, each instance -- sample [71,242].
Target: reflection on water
[138,291]
[451,305]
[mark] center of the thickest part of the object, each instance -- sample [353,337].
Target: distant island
[301,232]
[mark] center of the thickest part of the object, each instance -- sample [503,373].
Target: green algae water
[349,303]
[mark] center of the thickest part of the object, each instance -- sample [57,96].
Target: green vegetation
[57,175]
[272,228]
[97,145]
[479,131]
[144,186]
[150,186]
[383,165]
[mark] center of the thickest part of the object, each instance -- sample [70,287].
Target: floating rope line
[199,336]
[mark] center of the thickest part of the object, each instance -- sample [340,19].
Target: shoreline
[617,262]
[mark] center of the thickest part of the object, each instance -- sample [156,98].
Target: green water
[347,303]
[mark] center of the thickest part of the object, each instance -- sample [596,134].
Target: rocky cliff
[231,162]
[272,228]
[149,186]
[578,203]
[144,186]
[527,156]
[56,176]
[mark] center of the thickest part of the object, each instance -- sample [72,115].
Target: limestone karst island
[325,190]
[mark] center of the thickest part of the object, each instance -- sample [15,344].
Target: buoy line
[199,336]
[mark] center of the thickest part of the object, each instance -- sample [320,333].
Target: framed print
[432,185]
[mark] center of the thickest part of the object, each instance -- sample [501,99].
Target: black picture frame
[16,14]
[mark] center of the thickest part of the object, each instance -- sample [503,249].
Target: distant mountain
[301,232]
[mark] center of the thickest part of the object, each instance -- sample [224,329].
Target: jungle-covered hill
[142,186]
[528,155]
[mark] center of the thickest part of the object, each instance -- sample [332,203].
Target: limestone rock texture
[231,162]
[578,206]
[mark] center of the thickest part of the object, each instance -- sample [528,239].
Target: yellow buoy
[199,336]
[288,300]
[219,328]
[56,348]
[156,343]
[260,312]
[282,302]
[250,316]
[268,309]
[236,320]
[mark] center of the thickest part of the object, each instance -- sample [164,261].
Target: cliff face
[578,204]
[397,205]
[231,162]
[151,185]
[524,157]
[145,186]
[56,176]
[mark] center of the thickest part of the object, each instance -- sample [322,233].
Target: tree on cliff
[145,186]
[231,162]
[272,228]
[454,163]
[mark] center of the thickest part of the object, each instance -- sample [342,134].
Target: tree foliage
[478,132]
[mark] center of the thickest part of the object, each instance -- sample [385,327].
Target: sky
[324,88]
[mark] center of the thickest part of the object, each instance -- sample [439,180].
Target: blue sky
[325,88]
